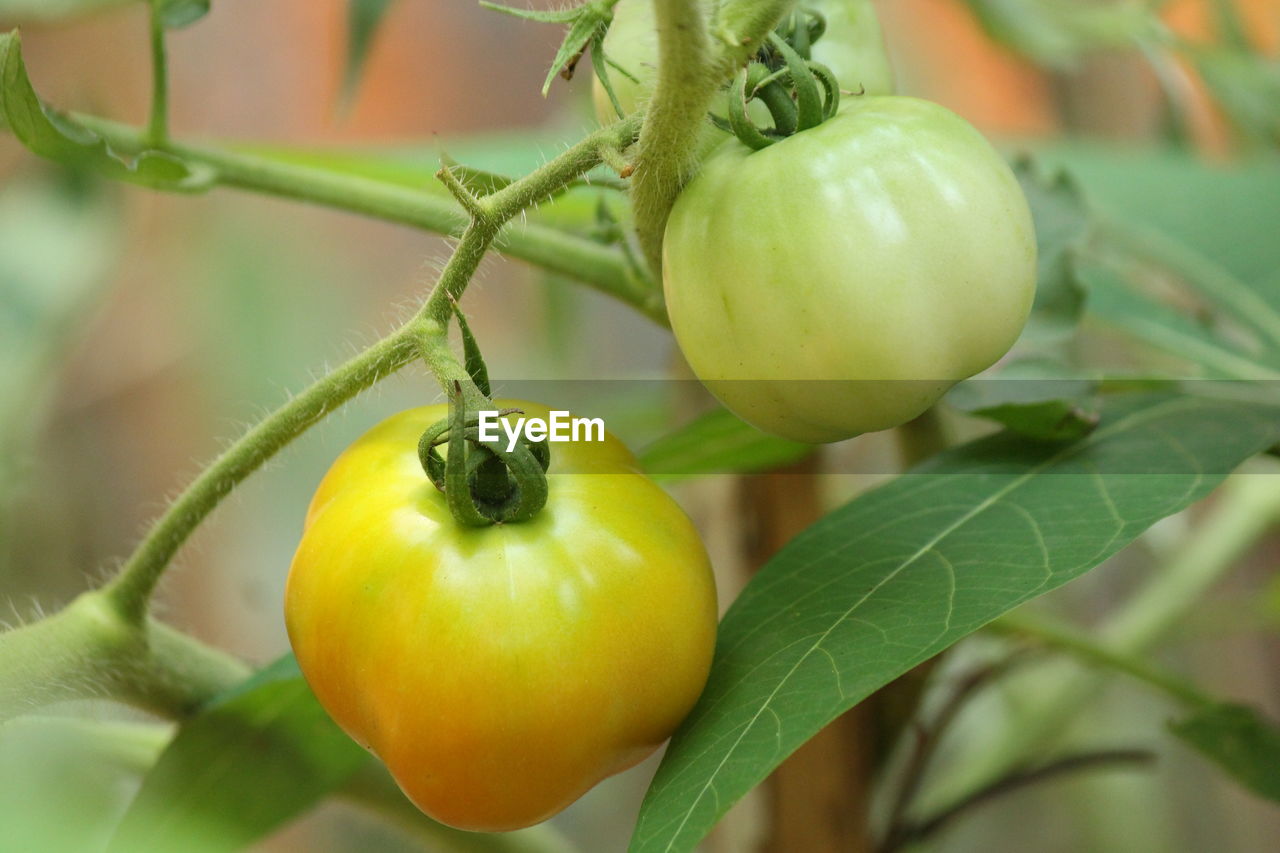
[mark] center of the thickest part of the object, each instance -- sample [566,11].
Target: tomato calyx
[483,482]
[798,92]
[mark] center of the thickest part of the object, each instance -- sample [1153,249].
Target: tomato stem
[691,69]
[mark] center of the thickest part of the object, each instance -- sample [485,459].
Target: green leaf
[549,16]
[1114,300]
[60,138]
[363,18]
[1223,246]
[1063,224]
[66,781]
[906,570]
[586,23]
[176,14]
[1247,86]
[1240,741]
[257,757]
[478,181]
[719,443]
[1034,398]
[1058,34]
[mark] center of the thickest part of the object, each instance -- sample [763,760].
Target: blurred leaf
[60,138]
[909,568]
[1247,86]
[1231,26]
[176,14]
[1033,391]
[56,246]
[1063,224]
[1230,227]
[257,757]
[1240,741]
[1116,301]
[1037,399]
[719,443]
[67,781]
[46,11]
[363,19]
[1058,34]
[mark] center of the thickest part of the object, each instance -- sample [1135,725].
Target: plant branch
[1246,506]
[425,335]
[929,736]
[1015,781]
[90,650]
[691,69]
[1074,642]
[158,124]
[578,258]
[131,589]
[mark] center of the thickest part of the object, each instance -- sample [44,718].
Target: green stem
[577,258]
[90,649]
[131,589]
[691,69]
[1088,650]
[1246,506]
[133,586]
[133,658]
[158,125]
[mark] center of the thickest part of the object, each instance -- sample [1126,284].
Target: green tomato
[852,47]
[500,671]
[842,279]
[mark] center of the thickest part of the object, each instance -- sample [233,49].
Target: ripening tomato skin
[841,280]
[500,672]
[852,47]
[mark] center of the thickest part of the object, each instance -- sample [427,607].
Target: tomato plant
[502,671]
[840,281]
[1043,351]
[851,45]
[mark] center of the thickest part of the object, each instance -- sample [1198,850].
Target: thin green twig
[158,124]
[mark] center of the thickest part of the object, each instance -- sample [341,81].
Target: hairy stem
[578,258]
[90,650]
[131,589]
[691,68]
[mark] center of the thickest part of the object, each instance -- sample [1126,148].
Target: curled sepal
[484,482]
[472,356]
[801,29]
[741,91]
[831,88]
[809,102]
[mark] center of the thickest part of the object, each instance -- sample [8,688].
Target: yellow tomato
[500,672]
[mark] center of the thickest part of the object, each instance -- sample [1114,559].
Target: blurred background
[140,331]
